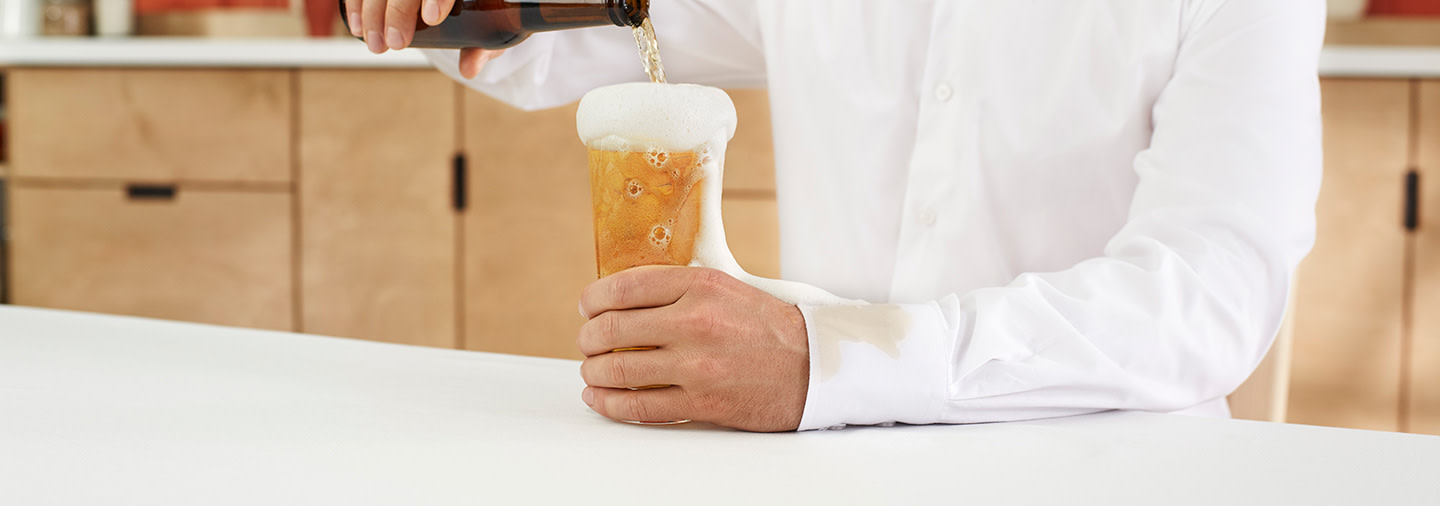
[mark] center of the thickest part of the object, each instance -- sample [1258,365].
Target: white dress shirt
[1058,206]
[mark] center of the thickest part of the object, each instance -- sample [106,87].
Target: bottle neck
[564,15]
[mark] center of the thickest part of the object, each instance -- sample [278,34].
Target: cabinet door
[151,125]
[750,155]
[377,223]
[1348,307]
[1424,405]
[205,256]
[529,240]
[752,229]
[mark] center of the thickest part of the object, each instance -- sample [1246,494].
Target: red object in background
[1404,8]
[151,6]
[320,16]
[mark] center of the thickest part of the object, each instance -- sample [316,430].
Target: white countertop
[119,411]
[1372,61]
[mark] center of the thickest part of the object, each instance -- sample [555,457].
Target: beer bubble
[660,236]
[633,188]
[658,158]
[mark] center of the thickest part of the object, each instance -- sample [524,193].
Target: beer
[498,24]
[656,156]
[655,152]
[647,207]
[649,51]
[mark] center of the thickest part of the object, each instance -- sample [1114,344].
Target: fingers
[372,17]
[352,18]
[653,405]
[631,369]
[641,287]
[637,328]
[473,58]
[400,22]
[435,11]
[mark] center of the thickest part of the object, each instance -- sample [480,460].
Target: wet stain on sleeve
[881,326]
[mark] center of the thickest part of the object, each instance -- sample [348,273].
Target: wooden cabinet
[529,241]
[378,238]
[176,126]
[325,201]
[208,236]
[205,256]
[1350,288]
[1367,339]
[1423,409]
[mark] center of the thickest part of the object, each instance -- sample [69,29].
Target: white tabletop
[115,411]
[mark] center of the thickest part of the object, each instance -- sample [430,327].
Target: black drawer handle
[150,191]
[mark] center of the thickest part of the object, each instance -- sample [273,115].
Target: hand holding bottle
[390,24]
[482,27]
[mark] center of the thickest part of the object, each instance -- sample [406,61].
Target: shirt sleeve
[1188,295]
[713,42]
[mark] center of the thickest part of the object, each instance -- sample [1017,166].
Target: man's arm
[712,42]
[1188,295]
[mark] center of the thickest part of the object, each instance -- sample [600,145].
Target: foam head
[639,116]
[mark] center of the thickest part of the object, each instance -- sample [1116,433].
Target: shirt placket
[929,211]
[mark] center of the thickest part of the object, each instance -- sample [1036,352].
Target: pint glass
[655,154]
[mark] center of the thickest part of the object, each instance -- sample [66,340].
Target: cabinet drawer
[203,256]
[151,125]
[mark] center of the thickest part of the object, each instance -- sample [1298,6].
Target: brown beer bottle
[498,24]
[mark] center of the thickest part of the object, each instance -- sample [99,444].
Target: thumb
[472,59]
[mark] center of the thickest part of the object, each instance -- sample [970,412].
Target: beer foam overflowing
[655,116]
[663,120]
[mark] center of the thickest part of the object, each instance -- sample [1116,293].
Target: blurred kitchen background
[245,162]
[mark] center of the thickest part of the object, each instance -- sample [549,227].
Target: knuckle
[709,406]
[397,9]
[617,371]
[703,321]
[710,279]
[636,409]
[621,286]
[708,369]
[607,330]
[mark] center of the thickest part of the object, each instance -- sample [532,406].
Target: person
[1055,207]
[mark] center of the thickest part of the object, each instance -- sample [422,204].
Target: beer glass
[656,157]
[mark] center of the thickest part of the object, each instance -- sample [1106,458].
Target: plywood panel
[753,232]
[750,156]
[378,237]
[529,242]
[1347,314]
[206,256]
[153,125]
[1424,407]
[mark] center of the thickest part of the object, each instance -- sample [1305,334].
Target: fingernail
[588,396]
[355,24]
[432,11]
[394,39]
[581,307]
[372,40]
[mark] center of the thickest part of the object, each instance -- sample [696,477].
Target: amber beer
[647,207]
[498,24]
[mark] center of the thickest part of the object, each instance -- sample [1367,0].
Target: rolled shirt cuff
[877,364]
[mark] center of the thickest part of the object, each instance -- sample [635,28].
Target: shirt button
[943,92]
[926,217]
